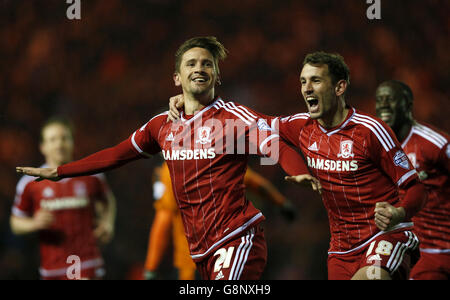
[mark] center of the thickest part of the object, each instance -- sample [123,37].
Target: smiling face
[318,91]
[391,105]
[197,74]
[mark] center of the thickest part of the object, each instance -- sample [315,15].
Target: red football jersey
[429,151]
[71,202]
[359,163]
[207,156]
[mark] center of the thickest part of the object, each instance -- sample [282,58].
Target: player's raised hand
[306,180]
[41,173]
[387,216]
[175,103]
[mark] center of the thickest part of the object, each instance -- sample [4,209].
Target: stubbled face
[391,106]
[318,90]
[57,144]
[197,74]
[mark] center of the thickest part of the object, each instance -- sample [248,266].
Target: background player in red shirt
[207,153]
[428,150]
[71,215]
[361,166]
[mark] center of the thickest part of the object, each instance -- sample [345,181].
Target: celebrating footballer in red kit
[428,150]
[361,168]
[207,154]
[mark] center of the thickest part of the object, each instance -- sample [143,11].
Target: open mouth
[385,115]
[200,79]
[313,104]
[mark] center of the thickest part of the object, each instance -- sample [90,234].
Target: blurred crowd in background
[111,71]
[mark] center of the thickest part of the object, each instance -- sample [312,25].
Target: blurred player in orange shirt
[168,217]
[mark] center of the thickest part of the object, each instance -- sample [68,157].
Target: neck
[195,103]
[336,116]
[403,130]
[53,163]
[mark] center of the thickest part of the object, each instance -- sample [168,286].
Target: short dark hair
[56,120]
[209,43]
[336,65]
[404,88]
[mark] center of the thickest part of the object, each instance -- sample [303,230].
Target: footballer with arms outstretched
[72,216]
[361,168]
[207,154]
[428,150]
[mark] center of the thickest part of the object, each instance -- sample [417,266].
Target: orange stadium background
[112,70]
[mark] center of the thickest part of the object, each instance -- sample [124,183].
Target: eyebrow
[203,60]
[312,77]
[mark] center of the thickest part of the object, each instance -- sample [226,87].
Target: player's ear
[176,79]
[218,82]
[340,88]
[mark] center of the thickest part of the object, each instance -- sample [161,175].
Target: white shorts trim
[232,234]
[398,226]
[434,251]
[241,255]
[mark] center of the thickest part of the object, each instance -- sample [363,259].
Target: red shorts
[432,266]
[243,258]
[390,251]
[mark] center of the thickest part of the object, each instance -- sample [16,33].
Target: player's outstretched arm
[41,173]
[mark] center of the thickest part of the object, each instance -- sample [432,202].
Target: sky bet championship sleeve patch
[262,125]
[401,160]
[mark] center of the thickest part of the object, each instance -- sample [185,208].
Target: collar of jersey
[408,136]
[351,113]
[199,113]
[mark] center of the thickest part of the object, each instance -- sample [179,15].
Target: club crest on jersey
[401,160]
[79,189]
[48,192]
[204,134]
[346,149]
